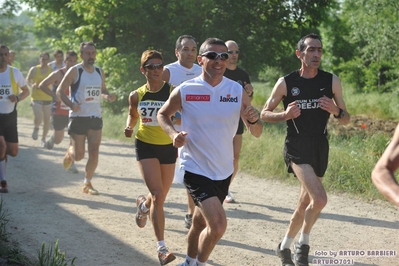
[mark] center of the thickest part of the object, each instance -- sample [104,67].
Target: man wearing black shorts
[206,139]
[10,80]
[309,95]
[87,87]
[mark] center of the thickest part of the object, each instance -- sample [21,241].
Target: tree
[372,30]
[267,31]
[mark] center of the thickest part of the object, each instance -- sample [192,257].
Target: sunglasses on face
[154,66]
[233,52]
[213,55]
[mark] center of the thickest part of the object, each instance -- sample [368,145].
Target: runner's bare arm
[53,78]
[250,116]
[65,83]
[278,93]
[171,106]
[383,173]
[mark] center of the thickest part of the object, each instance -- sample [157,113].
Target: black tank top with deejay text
[313,120]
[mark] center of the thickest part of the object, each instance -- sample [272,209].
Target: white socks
[304,239]
[190,261]
[160,244]
[286,243]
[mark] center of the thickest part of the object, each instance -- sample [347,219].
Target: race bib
[148,112]
[5,91]
[93,94]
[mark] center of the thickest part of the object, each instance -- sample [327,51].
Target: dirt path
[46,203]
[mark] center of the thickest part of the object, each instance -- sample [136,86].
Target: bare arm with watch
[336,106]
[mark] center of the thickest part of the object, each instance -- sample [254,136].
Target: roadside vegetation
[11,254]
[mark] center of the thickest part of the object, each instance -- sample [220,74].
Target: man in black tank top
[309,95]
[236,73]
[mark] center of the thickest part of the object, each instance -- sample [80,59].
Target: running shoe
[3,187]
[72,169]
[229,198]
[35,133]
[50,143]
[285,256]
[68,159]
[165,256]
[89,189]
[141,217]
[188,220]
[43,144]
[301,253]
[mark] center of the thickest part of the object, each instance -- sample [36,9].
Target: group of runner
[196,113]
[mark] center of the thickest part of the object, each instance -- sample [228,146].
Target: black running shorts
[312,151]
[8,127]
[166,154]
[59,122]
[81,125]
[201,188]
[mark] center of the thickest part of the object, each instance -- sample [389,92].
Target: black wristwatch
[18,98]
[340,114]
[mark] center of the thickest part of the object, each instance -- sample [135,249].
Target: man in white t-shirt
[10,80]
[176,73]
[211,106]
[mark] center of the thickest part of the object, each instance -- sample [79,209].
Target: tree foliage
[12,32]
[267,31]
[368,30]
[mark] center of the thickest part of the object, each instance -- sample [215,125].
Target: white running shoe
[229,198]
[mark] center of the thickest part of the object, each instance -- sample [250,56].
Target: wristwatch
[18,98]
[340,114]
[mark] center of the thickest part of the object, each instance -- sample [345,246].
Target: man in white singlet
[10,80]
[87,87]
[211,106]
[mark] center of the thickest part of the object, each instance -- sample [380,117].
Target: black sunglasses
[213,55]
[233,52]
[154,66]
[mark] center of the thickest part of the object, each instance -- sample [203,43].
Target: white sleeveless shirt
[6,106]
[87,93]
[210,117]
[179,74]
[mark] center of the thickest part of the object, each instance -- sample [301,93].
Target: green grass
[52,256]
[9,250]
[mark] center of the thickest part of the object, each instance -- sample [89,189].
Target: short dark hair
[210,41]
[301,44]
[83,44]
[70,53]
[42,54]
[150,54]
[2,46]
[178,45]
[58,51]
